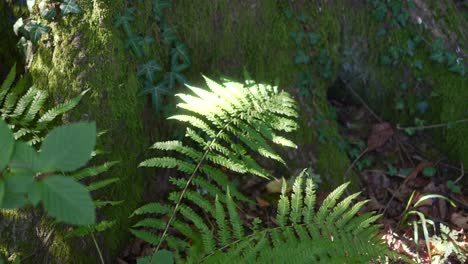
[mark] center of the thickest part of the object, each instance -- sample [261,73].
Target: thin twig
[364,104]
[462,174]
[433,126]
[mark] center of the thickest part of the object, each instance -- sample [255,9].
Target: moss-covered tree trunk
[224,36]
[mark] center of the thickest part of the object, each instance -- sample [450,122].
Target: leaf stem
[98,249]
[433,126]
[182,194]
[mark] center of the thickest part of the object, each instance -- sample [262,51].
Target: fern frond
[318,240]
[60,109]
[7,83]
[36,105]
[228,127]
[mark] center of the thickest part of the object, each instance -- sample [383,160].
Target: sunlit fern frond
[229,126]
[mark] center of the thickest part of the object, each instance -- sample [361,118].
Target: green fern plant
[332,234]
[203,224]
[25,115]
[23,110]
[228,125]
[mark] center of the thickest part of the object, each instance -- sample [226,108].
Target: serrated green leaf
[34,193]
[19,183]
[2,192]
[67,148]
[67,200]
[7,144]
[70,7]
[159,257]
[23,159]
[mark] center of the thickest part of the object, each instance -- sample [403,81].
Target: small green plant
[30,177]
[420,220]
[157,80]
[23,110]
[41,12]
[233,123]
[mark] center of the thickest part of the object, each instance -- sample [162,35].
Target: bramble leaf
[67,148]
[7,144]
[67,200]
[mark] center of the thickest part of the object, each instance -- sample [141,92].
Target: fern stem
[98,249]
[182,194]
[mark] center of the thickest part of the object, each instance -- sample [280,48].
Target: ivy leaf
[298,37]
[36,30]
[7,144]
[313,37]
[453,187]
[174,77]
[18,26]
[182,52]
[400,104]
[148,70]
[48,13]
[67,147]
[382,32]
[429,171]
[411,46]
[124,20]
[67,200]
[134,43]
[302,57]
[156,92]
[159,6]
[303,18]
[422,106]
[458,68]
[168,33]
[70,7]
[417,64]
[176,65]
[31,4]
[392,171]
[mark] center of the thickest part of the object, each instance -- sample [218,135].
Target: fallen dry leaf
[460,220]
[380,134]
[275,186]
[261,202]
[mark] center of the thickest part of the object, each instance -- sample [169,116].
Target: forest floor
[415,187]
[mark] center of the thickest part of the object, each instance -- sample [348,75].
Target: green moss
[226,36]
[88,53]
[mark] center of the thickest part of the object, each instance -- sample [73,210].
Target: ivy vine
[41,12]
[157,79]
